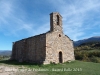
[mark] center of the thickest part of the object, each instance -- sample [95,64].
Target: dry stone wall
[31,49]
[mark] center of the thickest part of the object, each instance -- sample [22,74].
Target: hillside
[91,39]
[5,52]
[88,46]
[89,51]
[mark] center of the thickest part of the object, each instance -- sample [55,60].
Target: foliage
[93,56]
[95,59]
[88,46]
[4,57]
[88,52]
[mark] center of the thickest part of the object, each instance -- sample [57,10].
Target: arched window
[57,20]
[59,35]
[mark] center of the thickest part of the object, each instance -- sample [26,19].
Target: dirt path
[15,70]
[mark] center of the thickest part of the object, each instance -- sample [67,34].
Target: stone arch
[60,57]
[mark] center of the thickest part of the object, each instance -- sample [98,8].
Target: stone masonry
[52,46]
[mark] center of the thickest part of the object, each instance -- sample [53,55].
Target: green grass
[77,68]
[73,68]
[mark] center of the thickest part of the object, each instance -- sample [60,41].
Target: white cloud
[42,29]
[10,22]
[5,10]
[96,33]
[76,14]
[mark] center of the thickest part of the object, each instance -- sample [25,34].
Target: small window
[59,35]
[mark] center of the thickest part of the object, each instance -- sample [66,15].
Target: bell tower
[55,22]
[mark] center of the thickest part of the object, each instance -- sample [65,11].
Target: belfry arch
[57,19]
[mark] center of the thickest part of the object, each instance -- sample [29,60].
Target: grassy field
[72,68]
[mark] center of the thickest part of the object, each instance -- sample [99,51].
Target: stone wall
[30,49]
[58,43]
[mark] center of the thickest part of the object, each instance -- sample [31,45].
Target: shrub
[95,59]
[87,56]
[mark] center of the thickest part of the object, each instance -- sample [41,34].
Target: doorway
[60,57]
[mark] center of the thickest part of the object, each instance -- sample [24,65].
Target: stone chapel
[45,48]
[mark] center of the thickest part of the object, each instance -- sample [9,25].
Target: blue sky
[24,18]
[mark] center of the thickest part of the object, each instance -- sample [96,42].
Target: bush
[1,57]
[95,59]
[88,56]
[96,54]
[80,55]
